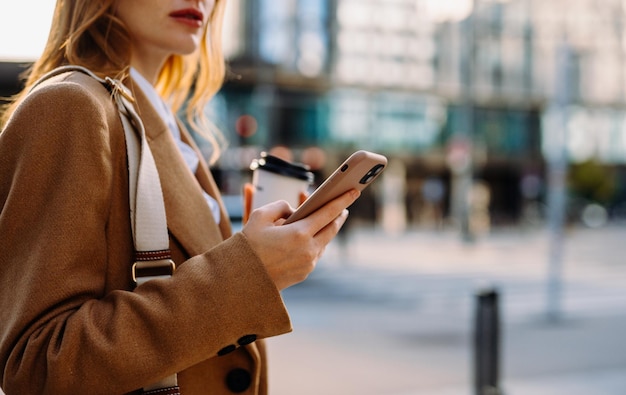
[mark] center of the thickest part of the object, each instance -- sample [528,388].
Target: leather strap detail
[152,255]
[153,271]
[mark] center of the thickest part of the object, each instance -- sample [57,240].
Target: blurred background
[477,103]
[504,122]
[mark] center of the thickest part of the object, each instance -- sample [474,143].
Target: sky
[24,26]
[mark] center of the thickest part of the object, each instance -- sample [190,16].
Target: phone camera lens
[374,171]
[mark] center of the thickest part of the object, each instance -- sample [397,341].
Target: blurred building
[386,75]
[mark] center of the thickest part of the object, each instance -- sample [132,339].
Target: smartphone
[356,172]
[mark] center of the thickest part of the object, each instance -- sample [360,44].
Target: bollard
[487,343]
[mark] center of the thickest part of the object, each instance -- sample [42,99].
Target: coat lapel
[189,218]
[207,182]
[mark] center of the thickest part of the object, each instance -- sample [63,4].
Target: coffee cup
[276,179]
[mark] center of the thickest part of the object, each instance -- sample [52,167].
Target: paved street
[393,315]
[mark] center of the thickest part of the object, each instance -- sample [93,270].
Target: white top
[164,111]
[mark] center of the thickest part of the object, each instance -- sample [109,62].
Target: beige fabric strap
[147,210]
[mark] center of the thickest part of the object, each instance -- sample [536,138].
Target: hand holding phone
[356,172]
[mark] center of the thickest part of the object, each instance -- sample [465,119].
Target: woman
[71,321]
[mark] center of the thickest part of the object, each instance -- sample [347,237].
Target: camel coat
[70,321]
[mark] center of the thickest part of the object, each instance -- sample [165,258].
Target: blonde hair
[87,33]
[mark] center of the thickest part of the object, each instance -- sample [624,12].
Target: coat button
[226,350]
[238,380]
[247,339]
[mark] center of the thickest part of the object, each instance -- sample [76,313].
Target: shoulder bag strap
[147,210]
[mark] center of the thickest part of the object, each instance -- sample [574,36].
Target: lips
[189,15]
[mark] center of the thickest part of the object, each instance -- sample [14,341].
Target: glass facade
[293,35]
[383,44]
[514,134]
[392,121]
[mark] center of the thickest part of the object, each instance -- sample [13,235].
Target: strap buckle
[143,271]
[120,88]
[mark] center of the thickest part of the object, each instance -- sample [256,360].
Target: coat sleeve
[60,331]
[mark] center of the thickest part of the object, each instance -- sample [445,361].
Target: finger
[329,212]
[274,211]
[327,233]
